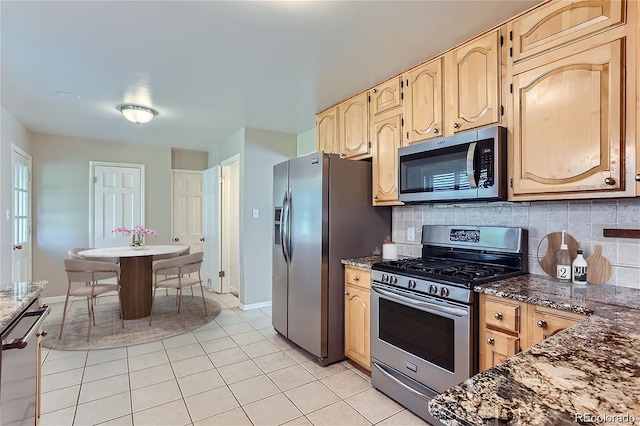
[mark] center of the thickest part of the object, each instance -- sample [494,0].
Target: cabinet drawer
[357,276]
[503,315]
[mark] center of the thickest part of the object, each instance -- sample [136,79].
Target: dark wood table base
[136,281]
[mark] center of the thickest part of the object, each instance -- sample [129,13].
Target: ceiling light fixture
[136,113]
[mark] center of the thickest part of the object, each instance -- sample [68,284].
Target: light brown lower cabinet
[357,314]
[508,327]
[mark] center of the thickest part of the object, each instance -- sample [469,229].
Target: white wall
[584,220]
[61,197]
[11,132]
[306,142]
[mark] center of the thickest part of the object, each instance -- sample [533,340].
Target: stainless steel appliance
[424,321]
[463,167]
[322,214]
[19,366]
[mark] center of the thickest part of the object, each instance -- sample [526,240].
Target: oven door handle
[471,173]
[409,388]
[432,306]
[22,342]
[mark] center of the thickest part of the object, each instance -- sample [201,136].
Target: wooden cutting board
[598,267]
[548,262]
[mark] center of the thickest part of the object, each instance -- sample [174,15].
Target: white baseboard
[254,305]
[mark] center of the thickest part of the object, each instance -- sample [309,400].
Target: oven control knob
[444,292]
[385,278]
[411,284]
[393,279]
[433,289]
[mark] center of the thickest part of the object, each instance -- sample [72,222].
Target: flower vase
[137,241]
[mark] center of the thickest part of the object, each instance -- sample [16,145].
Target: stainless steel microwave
[467,166]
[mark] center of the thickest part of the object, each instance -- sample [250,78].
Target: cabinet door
[353,122]
[496,348]
[568,121]
[386,96]
[387,138]
[561,22]
[357,325]
[423,102]
[546,322]
[472,78]
[327,131]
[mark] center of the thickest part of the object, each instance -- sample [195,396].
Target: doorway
[21,215]
[230,224]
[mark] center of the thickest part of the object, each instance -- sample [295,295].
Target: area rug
[108,331]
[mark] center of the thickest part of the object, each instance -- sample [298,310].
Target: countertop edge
[15,297]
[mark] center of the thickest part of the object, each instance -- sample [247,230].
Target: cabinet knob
[490,341]
[176,239]
[638,178]
[456,126]
[375,197]
[542,323]
[43,334]
[375,90]
[342,155]
[356,278]
[497,315]
[436,131]
[610,181]
[346,292]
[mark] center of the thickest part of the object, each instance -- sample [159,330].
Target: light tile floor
[235,370]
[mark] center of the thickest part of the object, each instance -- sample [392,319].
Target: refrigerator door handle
[283,226]
[287,238]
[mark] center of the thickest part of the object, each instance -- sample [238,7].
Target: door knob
[17,247]
[202,239]
[176,239]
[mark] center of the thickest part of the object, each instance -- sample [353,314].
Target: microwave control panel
[486,178]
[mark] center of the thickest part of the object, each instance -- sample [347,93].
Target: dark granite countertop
[591,369]
[14,298]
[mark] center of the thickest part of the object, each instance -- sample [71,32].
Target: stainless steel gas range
[424,316]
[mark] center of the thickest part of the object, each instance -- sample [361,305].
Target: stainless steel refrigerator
[323,213]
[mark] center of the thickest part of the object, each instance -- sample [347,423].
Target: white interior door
[117,201]
[21,215]
[211,228]
[230,231]
[187,209]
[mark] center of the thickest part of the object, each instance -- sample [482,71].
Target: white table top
[131,252]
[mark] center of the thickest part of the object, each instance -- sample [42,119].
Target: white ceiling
[213,67]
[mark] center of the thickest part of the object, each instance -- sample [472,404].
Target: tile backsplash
[584,220]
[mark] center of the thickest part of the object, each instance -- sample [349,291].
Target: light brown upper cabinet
[423,107]
[568,133]
[385,96]
[327,131]
[560,22]
[472,84]
[387,138]
[353,125]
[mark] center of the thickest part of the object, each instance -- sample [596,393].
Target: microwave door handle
[471,174]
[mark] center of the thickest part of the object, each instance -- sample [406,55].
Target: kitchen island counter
[585,371]
[15,297]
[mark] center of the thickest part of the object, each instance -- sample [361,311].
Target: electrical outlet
[411,234]
[256,213]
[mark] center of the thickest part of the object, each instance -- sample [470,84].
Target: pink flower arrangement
[136,230]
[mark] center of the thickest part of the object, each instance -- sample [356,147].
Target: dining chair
[176,273]
[73,254]
[90,272]
[159,257]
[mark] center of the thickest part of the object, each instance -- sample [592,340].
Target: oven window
[444,171]
[425,335]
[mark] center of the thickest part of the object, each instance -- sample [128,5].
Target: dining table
[136,274]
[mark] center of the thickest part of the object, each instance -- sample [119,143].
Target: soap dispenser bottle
[563,261]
